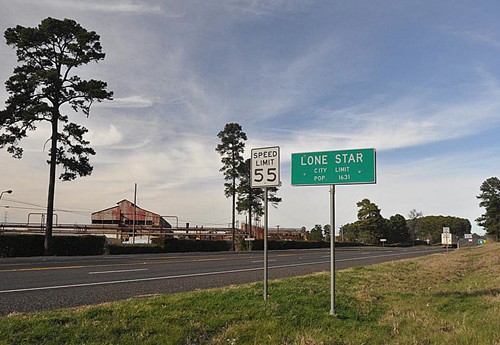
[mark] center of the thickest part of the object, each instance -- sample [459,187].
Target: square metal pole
[266,216]
[332,250]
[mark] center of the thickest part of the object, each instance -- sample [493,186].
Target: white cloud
[477,35]
[128,102]
[112,6]
[106,137]
[405,122]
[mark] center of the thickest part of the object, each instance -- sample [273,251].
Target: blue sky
[418,81]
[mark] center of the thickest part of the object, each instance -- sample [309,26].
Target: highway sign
[446,238]
[334,167]
[265,167]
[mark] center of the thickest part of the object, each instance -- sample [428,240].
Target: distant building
[123,215]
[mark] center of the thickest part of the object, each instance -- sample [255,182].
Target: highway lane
[36,284]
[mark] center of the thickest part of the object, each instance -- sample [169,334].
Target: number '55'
[270,175]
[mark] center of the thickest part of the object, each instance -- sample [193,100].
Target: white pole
[332,250]
[266,211]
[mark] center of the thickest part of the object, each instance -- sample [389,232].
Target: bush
[33,245]
[78,245]
[21,245]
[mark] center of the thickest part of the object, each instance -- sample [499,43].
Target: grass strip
[449,298]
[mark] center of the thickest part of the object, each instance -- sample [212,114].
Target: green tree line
[371,227]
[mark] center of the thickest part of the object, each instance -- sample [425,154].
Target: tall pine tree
[40,88]
[231,150]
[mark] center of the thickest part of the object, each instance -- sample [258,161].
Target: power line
[41,207]
[23,202]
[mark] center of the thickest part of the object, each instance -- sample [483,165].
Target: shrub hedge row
[33,245]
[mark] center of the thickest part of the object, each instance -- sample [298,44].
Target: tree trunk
[52,187]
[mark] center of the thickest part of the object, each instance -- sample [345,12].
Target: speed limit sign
[265,167]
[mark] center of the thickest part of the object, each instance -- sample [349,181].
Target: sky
[417,81]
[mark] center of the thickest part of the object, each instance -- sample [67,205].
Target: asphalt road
[47,283]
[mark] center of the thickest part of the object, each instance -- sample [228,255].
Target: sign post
[332,250]
[265,173]
[333,168]
[446,237]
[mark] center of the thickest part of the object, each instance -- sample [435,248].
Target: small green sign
[334,167]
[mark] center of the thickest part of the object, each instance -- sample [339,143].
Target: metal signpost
[446,237]
[265,173]
[333,168]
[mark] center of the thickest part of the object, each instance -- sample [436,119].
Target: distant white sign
[446,238]
[468,236]
[265,167]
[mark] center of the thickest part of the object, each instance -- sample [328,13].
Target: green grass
[441,299]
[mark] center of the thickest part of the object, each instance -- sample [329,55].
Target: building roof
[118,205]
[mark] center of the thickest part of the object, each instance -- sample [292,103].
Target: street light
[5,191]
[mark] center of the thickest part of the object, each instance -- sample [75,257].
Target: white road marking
[120,271]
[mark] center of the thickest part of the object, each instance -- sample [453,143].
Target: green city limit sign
[334,167]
